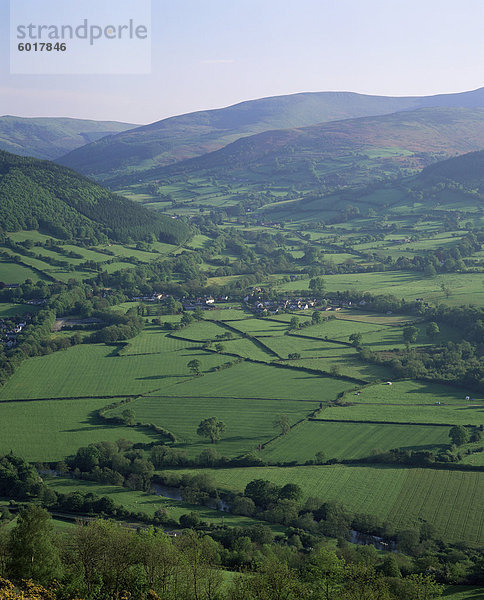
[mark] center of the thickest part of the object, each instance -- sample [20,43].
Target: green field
[454,415]
[452,500]
[7,310]
[341,329]
[415,392]
[11,272]
[52,429]
[347,363]
[249,380]
[247,348]
[153,340]
[96,370]
[351,440]
[260,327]
[248,422]
[202,331]
[463,592]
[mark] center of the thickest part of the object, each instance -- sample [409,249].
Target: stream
[362,539]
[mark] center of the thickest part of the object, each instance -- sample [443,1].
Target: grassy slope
[50,430]
[248,422]
[351,440]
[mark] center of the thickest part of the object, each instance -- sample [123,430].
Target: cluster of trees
[34,340]
[120,326]
[116,463]
[100,559]
[458,363]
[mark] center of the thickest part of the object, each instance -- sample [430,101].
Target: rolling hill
[449,187]
[37,194]
[194,134]
[353,152]
[50,138]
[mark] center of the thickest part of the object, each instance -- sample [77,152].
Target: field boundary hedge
[387,422]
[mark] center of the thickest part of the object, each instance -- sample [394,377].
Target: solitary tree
[459,435]
[410,334]
[355,339]
[128,416]
[319,457]
[219,348]
[317,284]
[194,366]
[211,428]
[432,330]
[33,552]
[282,422]
[334,370]
[316,317]
[446,289]
[293,323]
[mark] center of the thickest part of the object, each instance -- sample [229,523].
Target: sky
[214,53]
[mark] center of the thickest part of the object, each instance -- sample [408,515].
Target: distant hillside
[450,190]
[467,169]
[194,134]
[347,153]
[37,194]
[52,137]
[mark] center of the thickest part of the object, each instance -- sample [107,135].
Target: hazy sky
[212,53]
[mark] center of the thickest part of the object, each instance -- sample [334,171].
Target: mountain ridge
[415,138]
[193,134]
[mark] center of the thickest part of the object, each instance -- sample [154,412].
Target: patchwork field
[247,396]
[97,370]
[454,415]
[351,440]
[415,392]
[249,422]
[249,380]
[52,429]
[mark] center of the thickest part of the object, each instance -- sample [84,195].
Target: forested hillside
[38,194]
